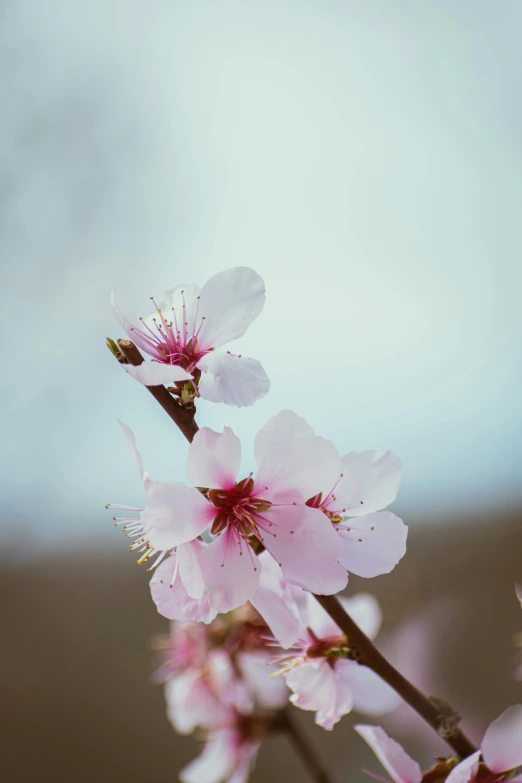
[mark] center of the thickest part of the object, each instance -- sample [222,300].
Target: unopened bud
[113,348]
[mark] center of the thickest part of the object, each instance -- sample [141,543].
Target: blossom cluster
[238,557]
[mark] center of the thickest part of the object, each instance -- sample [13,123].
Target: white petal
[214,459]
[373,544]
[128,320]
[231,572]
[313,685]
[370,482]
[184,301]
[308,555]
[157,374]
[189,567]
[275,603]
[315,617]
[306,465]
[371,695]
[215,764]
[174,514]
[229,302]
[279,433]
[466,771]
[191,702]
[174,603]
[131,440]
[392,756]
[365,610]
[234,380]
[502,744]
[269,692]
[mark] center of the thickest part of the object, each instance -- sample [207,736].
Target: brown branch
[182,417]
[373,659]
[287,724]
[369,655]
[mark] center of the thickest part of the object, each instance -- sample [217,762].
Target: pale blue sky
[363,157]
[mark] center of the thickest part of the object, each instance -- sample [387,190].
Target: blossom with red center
[354,490]
[318,667]
[501,753]
[200,579]
[185,329]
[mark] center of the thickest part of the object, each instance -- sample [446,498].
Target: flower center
[172,339]
[238,509]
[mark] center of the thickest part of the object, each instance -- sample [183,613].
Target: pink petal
[370,482]
[305,465]
[175,514]
[174,602]
[392,756]
[466,771]
[192,703]
[234,380]
[156,374]
[304,543]
[269,692]
[315,617]
[226,684]
[502,744]
[245,762]
[365,610]
[231,572]
[229,302]
[131,440]
[373,544]
[275,603]
[214,459]
[215,764]
[313,685]
[371,695]
[190,568]
[518,592]
[279,433]
[129,321]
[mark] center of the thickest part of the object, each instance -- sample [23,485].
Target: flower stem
[302,746]
[442,720]
[181,416]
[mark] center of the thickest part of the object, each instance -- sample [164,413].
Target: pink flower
[182,334]
[269,509]
[501,752]
[318,670]
[229,753]
[353,490]
[518,638]
[185,646]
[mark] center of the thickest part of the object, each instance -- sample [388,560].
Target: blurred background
[364,157]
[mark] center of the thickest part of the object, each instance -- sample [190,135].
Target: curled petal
[172,599]
[156,374]
[394,759]
[231,571]
[174,514]
[229,302]
[214,458]
[370,482]
[279,433]
[234,380]
[502,744]
[304,543]
[131,440]
[373,544]
[466,771]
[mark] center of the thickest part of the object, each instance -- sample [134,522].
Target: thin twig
[182,417]
[370,656]
[302,746]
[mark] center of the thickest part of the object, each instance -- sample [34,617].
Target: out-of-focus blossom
[353,491]
[230,751]
[501,753]
[183,332]
[518,637]
[318,666]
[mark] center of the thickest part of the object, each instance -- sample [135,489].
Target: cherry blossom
[319,670]
[518,637]
[501,753]
[185,329]
[353,491]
